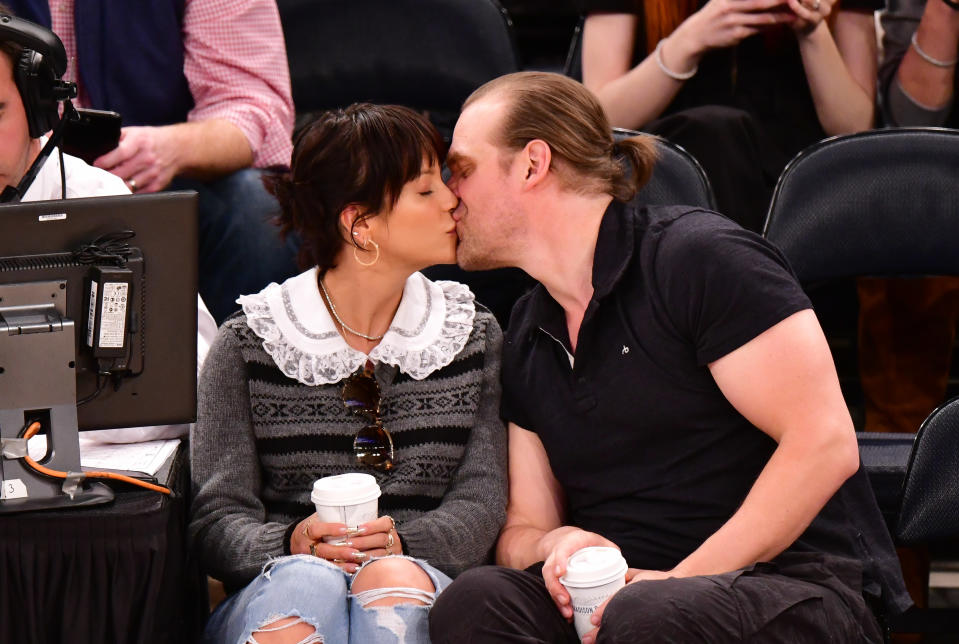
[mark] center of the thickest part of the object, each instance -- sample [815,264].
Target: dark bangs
[361,155]
[396,140]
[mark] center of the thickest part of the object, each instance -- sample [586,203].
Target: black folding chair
[884,203]
[428,55]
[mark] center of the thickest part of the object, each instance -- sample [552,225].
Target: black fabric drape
[120,573]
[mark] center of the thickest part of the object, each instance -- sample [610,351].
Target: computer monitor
[124,357]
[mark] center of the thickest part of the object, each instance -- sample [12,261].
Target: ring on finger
[389,542]
[392,522]
[313,549]
[306,529]
[133,184]
[815,7]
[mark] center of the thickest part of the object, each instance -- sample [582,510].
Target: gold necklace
[329,301]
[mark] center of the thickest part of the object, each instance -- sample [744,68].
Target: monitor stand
[38,380]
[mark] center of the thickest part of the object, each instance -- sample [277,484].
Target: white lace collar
[431,326]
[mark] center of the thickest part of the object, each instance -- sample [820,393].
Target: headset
[38,72]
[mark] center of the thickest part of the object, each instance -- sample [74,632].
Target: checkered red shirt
[235,65]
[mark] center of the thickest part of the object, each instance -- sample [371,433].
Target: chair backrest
[882,203]
[929,509]
[428,54]
[677,177]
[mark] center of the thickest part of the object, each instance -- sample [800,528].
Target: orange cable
[35,427]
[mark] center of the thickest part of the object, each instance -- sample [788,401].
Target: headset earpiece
[36,82]
[37,73]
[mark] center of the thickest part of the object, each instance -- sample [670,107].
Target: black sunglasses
[373,445]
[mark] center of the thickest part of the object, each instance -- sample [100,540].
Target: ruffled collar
[431,326]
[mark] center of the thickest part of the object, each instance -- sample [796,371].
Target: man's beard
[471,258]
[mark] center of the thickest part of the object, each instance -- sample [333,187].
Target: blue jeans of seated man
[240,248]
[318,593]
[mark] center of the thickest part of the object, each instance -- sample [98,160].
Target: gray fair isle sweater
[262,438]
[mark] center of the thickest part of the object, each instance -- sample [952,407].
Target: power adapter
[108,311]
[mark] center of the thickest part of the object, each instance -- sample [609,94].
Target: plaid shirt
[235,65]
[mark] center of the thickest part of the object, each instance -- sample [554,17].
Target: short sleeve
[721,285]
[512,409]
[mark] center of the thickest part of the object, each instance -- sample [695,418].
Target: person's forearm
[633,100]
[520,546]
[843,106]
[798,480]
[644,93]
[929,85]
[209,149]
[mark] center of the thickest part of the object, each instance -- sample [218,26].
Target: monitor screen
[138,257]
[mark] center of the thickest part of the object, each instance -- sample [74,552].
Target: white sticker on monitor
[56,216]
[13,489]
[91,314]
[113,315]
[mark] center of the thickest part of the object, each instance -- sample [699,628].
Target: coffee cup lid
[594,566]
[345,489]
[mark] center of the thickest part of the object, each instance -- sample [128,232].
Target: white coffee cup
[345,498]
[592,575]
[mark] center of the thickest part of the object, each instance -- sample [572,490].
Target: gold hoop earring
[375,259]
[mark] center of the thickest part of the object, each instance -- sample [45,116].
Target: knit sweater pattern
[262,439]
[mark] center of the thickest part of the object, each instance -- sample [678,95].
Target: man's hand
[632,575]
[563,542]
[147,158]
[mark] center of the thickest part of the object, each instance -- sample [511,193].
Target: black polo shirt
[649,452]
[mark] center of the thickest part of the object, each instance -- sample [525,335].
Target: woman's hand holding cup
[334,542]
[379,538]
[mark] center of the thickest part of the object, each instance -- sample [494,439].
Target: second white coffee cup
[346,498]
[592,575]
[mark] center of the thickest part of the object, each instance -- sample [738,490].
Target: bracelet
[658,55]
[929,59]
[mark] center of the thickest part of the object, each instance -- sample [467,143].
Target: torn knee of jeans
[415,596]
[272,625]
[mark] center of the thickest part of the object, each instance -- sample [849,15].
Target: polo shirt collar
[614,248]
[614,251]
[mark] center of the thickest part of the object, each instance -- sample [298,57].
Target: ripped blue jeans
[318,593]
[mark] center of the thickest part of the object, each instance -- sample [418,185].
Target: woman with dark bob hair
[360,364]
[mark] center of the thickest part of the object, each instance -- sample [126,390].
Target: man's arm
[784,382]
[534,529]
[236,67]
[148,158]
[536,502]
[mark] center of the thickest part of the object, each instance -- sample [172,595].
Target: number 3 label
[13,489]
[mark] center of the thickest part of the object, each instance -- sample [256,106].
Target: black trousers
[812,599]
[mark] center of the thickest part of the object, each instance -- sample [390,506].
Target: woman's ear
[355,226]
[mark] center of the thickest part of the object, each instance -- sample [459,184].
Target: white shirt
[82,180]
[87,181]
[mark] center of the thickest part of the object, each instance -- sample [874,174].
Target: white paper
[148,456]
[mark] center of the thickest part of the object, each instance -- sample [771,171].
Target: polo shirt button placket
[583,396]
